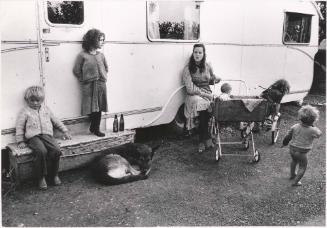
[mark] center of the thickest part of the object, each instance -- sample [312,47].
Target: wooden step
[77,152]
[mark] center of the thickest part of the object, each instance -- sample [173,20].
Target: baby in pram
[226,90]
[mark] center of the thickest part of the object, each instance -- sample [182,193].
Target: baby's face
[35,102]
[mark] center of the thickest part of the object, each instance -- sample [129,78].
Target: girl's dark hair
[281,85]
[91,39]
[192,65]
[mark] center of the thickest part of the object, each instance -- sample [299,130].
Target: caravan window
[65,12]
[173,20]
[297,28]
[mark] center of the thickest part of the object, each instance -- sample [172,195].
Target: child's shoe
[99,133]
[56,180]
[297,183]
[43,184]
[292,176]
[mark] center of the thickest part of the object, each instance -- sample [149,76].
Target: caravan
[147,45]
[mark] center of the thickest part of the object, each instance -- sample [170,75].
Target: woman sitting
[197,76]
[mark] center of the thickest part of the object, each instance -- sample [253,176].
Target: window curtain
[153,21]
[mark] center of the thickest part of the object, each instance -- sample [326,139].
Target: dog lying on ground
[123,164]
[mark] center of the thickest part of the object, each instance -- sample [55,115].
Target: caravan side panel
[19,57]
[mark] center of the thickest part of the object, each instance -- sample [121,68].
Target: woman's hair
[34,91]
[308,114]
[192,65]
[225,88]
[281,85]
[91,39]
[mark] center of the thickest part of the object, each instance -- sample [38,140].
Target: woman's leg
[203,125]
[203,129]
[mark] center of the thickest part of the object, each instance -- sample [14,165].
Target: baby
[226,90]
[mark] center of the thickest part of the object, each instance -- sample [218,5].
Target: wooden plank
[78,152]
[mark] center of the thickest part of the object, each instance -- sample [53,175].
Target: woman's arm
[191,88]
[213,78]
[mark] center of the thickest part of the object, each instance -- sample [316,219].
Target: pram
[245,109]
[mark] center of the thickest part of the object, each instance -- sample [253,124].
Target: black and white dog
[122,164]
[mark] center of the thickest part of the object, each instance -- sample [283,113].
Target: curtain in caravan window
[188,23]
[173,20]
[153,20]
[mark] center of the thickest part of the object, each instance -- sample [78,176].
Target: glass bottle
[121,123]
[115,124]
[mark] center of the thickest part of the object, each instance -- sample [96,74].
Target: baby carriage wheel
[275,130]
[217,154]
[256,156]
[246,144]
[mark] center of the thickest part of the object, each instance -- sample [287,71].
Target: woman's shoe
[56,180]
[43,184]
[201,148]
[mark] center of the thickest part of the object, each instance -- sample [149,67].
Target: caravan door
[62,26]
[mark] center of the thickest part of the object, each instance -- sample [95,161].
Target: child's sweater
[31,122]
[302,136]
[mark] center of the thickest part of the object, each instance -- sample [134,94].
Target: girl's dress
[91,70]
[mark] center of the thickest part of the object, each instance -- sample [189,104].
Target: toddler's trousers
[47,155]
[298,158]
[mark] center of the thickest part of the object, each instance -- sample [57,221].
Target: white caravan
[147,45]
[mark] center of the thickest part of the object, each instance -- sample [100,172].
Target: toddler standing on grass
[34,128]
[300,137]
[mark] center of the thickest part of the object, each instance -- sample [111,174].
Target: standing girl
[197,76]
[91,69]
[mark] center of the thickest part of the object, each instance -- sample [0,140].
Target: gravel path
[186,188]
